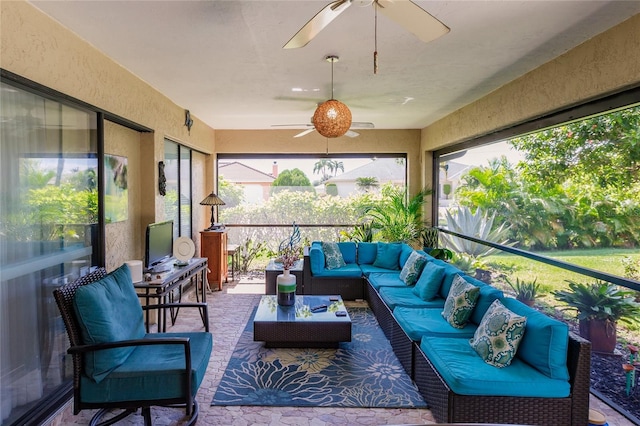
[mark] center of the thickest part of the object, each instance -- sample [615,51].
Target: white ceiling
[223,60]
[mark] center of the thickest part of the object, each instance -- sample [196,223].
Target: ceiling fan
[404,12]
[310,128]
[332,118]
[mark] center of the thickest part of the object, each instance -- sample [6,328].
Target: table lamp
[212,200]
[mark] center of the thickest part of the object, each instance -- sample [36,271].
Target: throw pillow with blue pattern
[333,255]
[412,268]
[498,336]
[460,302]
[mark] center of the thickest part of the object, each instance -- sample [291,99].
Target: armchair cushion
[119,319]
[140,379]
[367,253]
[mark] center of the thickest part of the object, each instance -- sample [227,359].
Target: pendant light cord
[332,61]
[375,38]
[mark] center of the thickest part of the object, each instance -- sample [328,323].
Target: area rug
[361,373]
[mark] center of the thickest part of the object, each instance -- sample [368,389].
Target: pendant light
[332,118]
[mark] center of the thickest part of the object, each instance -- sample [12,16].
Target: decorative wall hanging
[162,179]
[116,193]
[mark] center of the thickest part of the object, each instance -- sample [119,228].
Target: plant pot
[528,302]
[601,333]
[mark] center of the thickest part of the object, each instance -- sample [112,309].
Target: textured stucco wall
[124,239]
[602,65]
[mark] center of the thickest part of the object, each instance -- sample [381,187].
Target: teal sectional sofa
[360,260]
[546,383]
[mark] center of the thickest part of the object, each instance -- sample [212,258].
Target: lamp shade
[212,200]
[332,119]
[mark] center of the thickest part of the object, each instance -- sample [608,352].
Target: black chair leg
[95,420]
[146,413]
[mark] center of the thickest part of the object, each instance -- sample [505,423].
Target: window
[177,160]
[49,235]
[265,195]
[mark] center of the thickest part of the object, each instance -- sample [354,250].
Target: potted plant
[430,238]
[600,306]
[526,291]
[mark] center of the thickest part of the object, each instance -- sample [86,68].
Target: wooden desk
[163,286]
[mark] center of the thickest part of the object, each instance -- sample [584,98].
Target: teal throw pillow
[333,255]
[388,256]
[429,282]
[498,336]
[460,302]
[412,268]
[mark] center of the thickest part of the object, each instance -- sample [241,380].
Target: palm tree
[398,219]
[335,165]
[321,166]
[367,183]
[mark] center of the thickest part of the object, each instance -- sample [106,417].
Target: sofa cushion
[486,297]
[412,268]
[350,270]
[385,279]
[316,258]
[418,322]
[429,282]
[498,335]
[348,250]
[108,310]
[404,296]
[367,253]
[368,269]
[450,272]
[460,302]
[388,255]
[405,251]
[162,379]
[332,255]
[466,374]
[545,342]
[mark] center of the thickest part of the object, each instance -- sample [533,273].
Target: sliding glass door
[48,236]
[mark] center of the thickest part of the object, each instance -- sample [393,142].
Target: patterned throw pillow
[412,268]
[497,338]
[460,302]
[333,255]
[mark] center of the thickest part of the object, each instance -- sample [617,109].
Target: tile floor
[229,311]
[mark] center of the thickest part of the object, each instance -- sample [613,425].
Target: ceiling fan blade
[304,132]
[292,125]
[317,24]
[413,18]
[352,134]
[361,125]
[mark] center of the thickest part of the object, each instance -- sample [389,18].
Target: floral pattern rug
[361,373]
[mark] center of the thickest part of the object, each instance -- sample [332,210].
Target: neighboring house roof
[241,173]
[384,169]
[456,170]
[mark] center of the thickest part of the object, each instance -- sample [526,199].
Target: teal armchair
[116,363]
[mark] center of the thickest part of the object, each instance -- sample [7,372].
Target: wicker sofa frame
[447,406]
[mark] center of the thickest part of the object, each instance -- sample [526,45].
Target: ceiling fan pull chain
[375,38]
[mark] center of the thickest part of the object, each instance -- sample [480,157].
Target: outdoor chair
[116,363]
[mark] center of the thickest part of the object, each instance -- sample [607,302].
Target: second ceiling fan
[404,12]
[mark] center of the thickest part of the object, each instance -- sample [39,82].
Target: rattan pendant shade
[332,119]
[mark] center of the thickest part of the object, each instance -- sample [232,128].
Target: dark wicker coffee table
[297,326]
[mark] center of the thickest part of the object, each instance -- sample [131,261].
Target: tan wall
[603,65]
[370,141]
[123,239]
